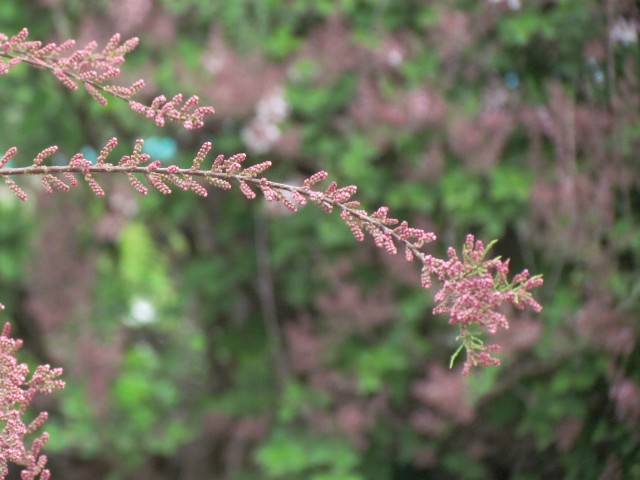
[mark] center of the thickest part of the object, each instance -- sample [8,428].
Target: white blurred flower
[394,57]
[259,135]
[273,107]
[624,31]
[142,312]
[512,4]
[263,131]
[212,62]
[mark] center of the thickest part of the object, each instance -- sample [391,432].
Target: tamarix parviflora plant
[473,288]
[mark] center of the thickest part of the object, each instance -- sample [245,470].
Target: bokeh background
[220,338]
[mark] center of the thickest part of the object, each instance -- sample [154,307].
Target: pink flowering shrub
[17,391]
[474,290]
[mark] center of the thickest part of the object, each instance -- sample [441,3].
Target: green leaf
[374,365]
[281,43]
[288,452]
[520,28]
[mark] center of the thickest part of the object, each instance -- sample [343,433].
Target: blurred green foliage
[180,287]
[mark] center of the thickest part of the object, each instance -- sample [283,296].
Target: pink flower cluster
[16,394]
[473,292]
[175,110]
[83,65]
[94,70]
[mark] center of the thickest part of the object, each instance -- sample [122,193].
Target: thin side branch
[94,70]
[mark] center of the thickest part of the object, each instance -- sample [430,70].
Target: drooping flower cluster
[473,292]
[473,289]
[16,394]
[94,70]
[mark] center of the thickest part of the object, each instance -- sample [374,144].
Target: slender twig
[266,294]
